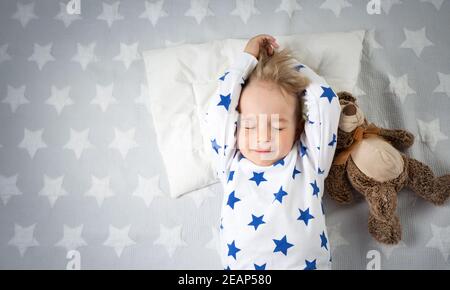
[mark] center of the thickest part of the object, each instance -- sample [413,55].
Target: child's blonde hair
[280,69]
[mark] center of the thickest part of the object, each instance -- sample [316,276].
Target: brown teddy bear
[368,160]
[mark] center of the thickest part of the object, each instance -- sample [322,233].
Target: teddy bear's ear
[346,96]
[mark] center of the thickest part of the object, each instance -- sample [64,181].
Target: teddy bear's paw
[441,189]
[400,139]
[341,197]
[406,140]
[386,232]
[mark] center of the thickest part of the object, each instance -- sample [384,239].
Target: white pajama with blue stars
[272,216]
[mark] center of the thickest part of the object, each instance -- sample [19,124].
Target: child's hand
[261,41]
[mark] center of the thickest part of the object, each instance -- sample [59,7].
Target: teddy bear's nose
[349,110]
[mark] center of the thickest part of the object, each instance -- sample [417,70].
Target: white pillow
[181,79]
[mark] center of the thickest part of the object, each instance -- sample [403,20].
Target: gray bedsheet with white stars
[82,184]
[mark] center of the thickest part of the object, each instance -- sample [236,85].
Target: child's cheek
[286,139]
[243,140]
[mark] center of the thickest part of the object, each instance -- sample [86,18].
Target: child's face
[266,131]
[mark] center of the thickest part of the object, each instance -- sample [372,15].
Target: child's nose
[264,134]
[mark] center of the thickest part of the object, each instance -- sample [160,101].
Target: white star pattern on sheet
[123,141]
[65,17]
[100,189]
[444,84]
[399,87]
[386,5]
[23,238]
[144,98]
[104,97]
[154,11]
[199,10]
[440,240]
[436,3]
[53,189]
[78,142]
[213,244]
[110,13]
[335,5]
[71,239]
[119,239]
[289,6]
[387,250]
[24,13]
[41,55]
[416,40]
[59,98]
[85,55]
[148,189]
[128,54]
[336,239]
[4,56]
[32,141]
[245,9]
[170,239]
[8,188]
[15,97]
[430,133]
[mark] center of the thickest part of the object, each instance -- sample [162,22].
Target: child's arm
[318,140]
[222,116]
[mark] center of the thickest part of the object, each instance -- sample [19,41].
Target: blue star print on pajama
[225,101]
[258,177]
[279,195]
[323,241]
[310,265]
[256,221]
[332,142]
[282,245]
[272,216]
[233,250]
[222,78]
[230,176]
[258,267]
[303,150]
[316,189]
[279,162]
[232,200]
[295,172]
[215,146]
[305,216]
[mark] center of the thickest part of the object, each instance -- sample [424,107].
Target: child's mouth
[262,151]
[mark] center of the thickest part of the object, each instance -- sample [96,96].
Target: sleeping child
[272,126]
